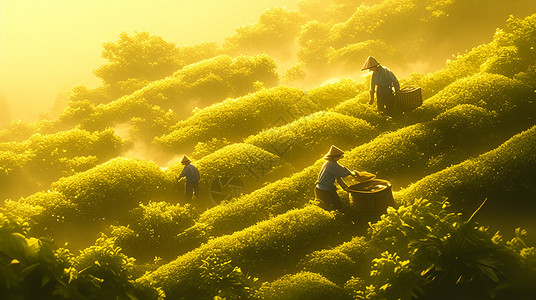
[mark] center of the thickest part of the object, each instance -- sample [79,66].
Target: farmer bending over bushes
[325,189]
[385,80]
[192,179]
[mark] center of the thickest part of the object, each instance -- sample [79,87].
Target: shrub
[358,108]
[152,230]
[235,119]
[104,272]
[45,212]
[274,34]
[303,285]
[503,173]
[432,252]
[332,264]
[258,250]
[231,171]
[28,266]
[331,94]
[312,134]
[490,91]
[274,199]
[41,159]
[111,189]
[341,263]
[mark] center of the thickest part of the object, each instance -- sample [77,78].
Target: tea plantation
[93,205]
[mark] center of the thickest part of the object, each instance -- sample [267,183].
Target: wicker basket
[370,199]
[408,99]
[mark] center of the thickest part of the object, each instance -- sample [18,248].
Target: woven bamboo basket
[408,99]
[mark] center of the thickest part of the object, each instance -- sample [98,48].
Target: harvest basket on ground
[370,199]
[408,98]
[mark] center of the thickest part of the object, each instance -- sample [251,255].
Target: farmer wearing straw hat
[385,81]
[191,174]
[331,171]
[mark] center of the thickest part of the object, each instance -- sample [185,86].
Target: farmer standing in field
[191,174]
[385,81]
[331,171]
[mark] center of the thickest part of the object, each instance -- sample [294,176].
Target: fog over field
[242,150]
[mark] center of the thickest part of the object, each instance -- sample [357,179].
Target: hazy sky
[49,46]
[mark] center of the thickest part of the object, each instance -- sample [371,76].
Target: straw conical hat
[333,152]
[185,160]
[371,62]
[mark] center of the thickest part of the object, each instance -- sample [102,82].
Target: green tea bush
[29,267]
[275,198]
[303,285]
[431,252]
[414,151]
[104,272]
[198,84]
[515,47]
[331,94]
[32,268]
[341,263]
[126,109]
[152,230]
[358,108]
[111,189]
[258,250]
[45,212]
[211,80]
[465,65]
[235,119]
[17,131]
[350,57]
[29,165]
[245,166]
[510,53]
[313,134]
[506,172]
[490,91]
[332,264]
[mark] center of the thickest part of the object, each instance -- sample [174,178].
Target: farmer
[192,179]
[331,171]
[385,80]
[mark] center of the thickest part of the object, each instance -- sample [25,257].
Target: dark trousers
[191,189]
[386,100]
[329,199]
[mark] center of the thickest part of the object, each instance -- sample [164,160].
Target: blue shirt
[191,173]
[330,171]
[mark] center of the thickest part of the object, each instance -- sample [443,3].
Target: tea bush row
[509,54]
[420,250]
[235,119]
[259,250]
[99,196]
[152,231]
[400,157]
[490,91]
[309,137]
[276,198]
[244,165]
[30,165]
[503,173]
[304,286]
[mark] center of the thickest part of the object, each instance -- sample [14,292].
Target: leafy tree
[137,56]
[275,33]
